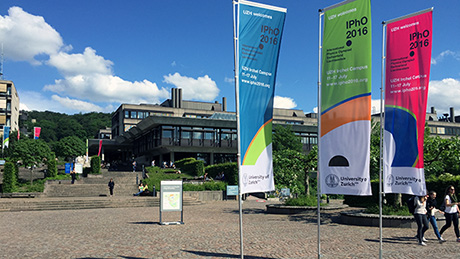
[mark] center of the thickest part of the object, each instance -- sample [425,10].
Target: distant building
[177,129]
[9,106]
[445,126]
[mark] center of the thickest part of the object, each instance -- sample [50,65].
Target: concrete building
[9,106]
[177,129]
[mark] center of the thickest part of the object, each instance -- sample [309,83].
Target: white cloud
[444,94]
[79,106]
[25,36]
[284,102]
[81,64]
[23,107]
[108,88]
[173,64]
[447,53]
[202,88]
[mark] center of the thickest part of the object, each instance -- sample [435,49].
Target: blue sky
[83,56]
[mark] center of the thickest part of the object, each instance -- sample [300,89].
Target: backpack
[411,204]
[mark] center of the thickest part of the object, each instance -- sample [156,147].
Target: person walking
[73,175]
[111,186]
[431,210]
[421,219]
[451,211]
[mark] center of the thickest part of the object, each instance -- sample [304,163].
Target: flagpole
[238,155]
[381,141]
[318,189]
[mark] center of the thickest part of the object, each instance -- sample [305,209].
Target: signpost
[171,200]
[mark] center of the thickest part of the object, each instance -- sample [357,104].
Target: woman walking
[421,219]
[451,212]
[431,205]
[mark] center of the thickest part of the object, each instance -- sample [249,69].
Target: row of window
[452,131]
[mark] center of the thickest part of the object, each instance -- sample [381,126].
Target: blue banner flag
[260,28]
[6,136]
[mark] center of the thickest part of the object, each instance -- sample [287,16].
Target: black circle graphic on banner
[349,43]
[261,46]
[412,53]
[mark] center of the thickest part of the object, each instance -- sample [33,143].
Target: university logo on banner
[345,105]
[6,136]
[407,74]
[259,38]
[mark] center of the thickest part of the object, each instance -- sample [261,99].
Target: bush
[156,176]
[191,166]
[438,185]
[181,163]
[207,186]
[95,165]
[389,210]
[230,171]
[39,184]
[302,200]
[9,178]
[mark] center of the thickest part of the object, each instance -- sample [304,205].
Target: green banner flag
[346,99]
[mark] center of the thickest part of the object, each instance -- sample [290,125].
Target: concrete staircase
[36,204]
[94,185]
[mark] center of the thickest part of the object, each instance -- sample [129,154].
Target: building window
[133,115]
[126,114]
[441,130]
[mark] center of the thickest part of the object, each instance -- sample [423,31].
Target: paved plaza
[211,230]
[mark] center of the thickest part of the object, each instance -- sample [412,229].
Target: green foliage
[375,151]
[156,176]
[438,185]
[303,200]
[441,156]
[230,171]
[30,151]
[289,167]
[389,210]
[39,184]
[9,178]
[206,186]
[56,126]
[95,165]
[284,138]
[191,166]
[70,147]
[181,163]
[51,166]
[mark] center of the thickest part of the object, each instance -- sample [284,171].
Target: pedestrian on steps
[111,185]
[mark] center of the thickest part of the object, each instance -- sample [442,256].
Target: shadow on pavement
[395,240]
[247,211]
[145,223]
[223,255]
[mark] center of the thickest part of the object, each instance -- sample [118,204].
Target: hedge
[438,185]
[207,186]
[95,165]
[9,178]
[52,168]
[191,166]
[230,171]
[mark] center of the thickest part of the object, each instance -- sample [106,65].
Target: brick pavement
[210,231]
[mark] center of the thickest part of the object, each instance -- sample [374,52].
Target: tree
[70,147]
[289,163]
[289,167]
[30,151]
[284,138]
